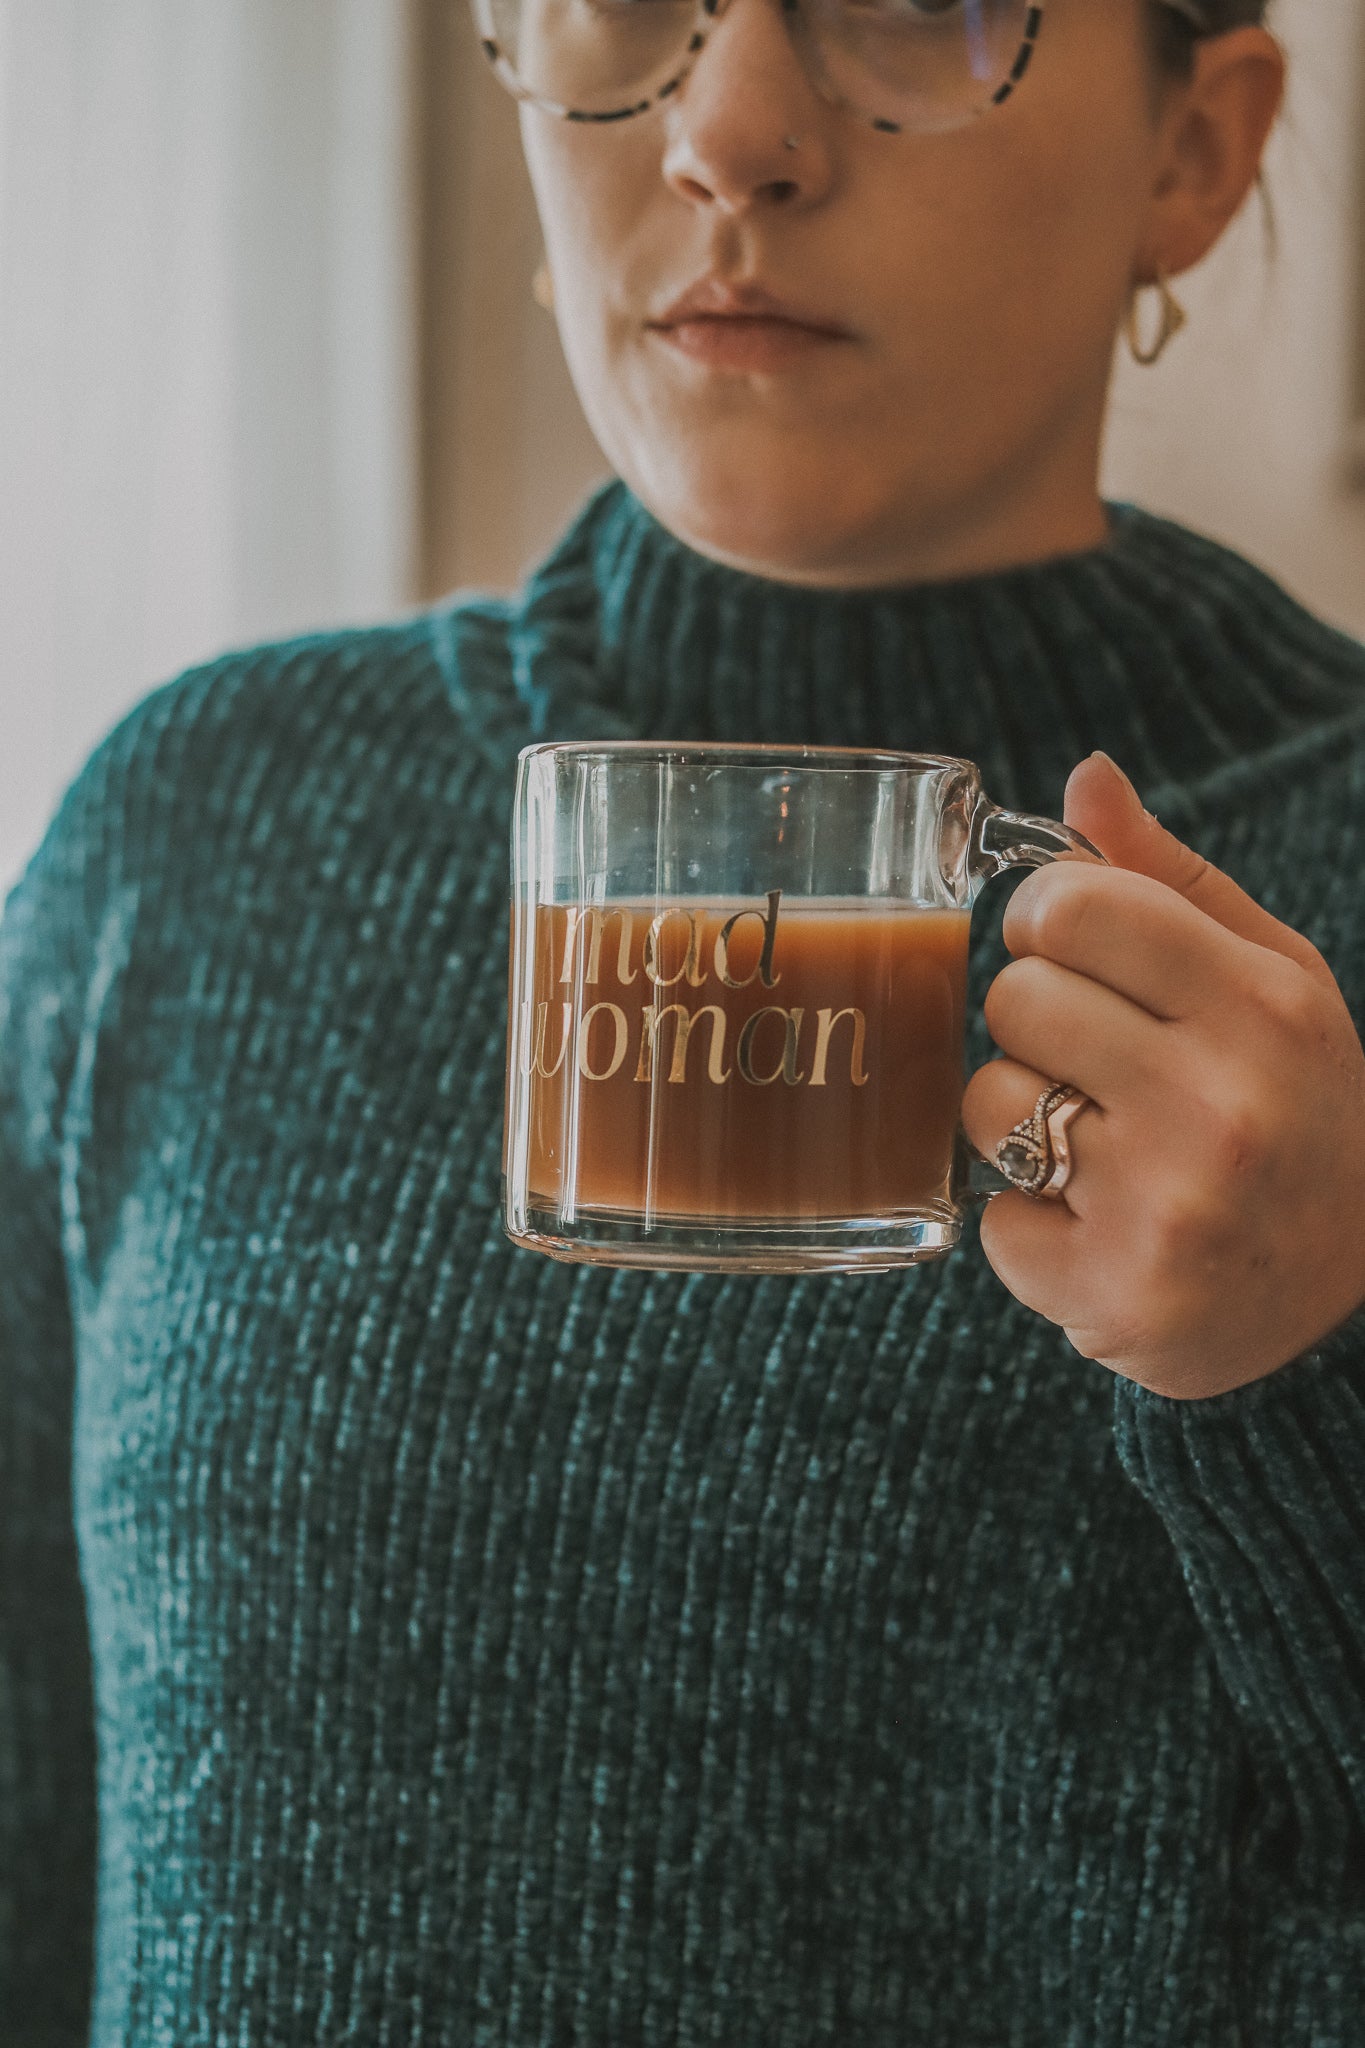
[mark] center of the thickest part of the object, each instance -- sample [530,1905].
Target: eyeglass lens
[922,64]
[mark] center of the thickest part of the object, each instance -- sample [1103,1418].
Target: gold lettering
[765,961]
[618,1018]
[744,1054]
[597,924]
[825,1021]
[689,966]
[677,1070]
[533,1047]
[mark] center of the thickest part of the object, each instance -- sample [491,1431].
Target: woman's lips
[746,341]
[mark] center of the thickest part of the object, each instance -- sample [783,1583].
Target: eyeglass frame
[1192,12]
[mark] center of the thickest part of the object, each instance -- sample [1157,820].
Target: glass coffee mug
[736,1030]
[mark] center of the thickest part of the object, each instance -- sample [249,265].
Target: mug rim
[870,760]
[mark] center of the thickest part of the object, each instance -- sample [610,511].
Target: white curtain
[207,356]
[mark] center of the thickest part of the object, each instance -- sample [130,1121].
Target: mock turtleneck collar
[1172,652]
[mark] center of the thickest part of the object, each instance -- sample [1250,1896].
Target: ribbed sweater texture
[409,1639]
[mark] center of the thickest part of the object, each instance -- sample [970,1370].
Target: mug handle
[1001,840]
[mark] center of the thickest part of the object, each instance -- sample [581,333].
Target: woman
[408,1639]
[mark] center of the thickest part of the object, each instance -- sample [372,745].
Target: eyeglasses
[921,65]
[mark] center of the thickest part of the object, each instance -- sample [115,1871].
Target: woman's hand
[1214,1223]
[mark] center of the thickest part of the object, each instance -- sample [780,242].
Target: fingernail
[1100,755]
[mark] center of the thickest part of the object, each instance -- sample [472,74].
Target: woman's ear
[1216,129]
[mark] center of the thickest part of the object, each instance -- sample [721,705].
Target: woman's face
[983,274]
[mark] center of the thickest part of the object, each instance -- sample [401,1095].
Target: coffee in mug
[737,1001]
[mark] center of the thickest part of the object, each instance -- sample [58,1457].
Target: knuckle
[997,1002]
[973,1107]
[1203,1186]
[1063,914]
[1011,990]
[1291,998]
[1187,867]
[1238,1136]
[1188,1230]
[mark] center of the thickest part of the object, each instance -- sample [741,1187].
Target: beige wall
[506,452]
[1243,428]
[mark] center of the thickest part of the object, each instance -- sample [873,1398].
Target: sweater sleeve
[1262,1492]
[47,1745]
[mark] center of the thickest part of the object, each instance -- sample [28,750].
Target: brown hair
[1174,36]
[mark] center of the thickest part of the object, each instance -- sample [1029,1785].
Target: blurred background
[269,358]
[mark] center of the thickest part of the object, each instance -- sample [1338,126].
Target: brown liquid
[818,1075]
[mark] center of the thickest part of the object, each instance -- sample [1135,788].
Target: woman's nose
[748,90]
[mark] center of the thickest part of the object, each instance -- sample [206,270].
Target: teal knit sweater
[408,1639]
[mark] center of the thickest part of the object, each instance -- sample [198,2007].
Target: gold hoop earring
[1173,318]
[543,288]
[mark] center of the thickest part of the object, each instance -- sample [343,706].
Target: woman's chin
[776,519]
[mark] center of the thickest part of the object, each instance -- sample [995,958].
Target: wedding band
[1035,1154]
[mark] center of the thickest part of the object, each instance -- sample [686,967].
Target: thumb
[1102,804]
